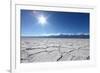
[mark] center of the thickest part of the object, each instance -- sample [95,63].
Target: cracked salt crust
[52,49]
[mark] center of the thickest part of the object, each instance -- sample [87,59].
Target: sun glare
[42,20]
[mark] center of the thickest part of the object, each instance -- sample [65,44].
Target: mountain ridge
[61,36]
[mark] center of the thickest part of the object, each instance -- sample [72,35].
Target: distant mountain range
[61,36]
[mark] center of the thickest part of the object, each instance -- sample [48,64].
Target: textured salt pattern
[54,49]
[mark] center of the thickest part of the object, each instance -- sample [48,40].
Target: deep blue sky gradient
[57,22]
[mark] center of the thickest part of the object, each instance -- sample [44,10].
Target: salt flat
[54,49]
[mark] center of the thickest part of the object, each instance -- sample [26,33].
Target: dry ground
[53,49]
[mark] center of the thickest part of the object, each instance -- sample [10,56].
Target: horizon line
[57,34]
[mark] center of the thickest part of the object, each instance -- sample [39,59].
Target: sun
[42,20]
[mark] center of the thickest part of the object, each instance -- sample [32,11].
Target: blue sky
[55,22]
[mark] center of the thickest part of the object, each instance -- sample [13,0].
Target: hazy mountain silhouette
[62,36]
